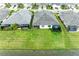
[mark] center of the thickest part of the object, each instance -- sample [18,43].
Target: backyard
[39,39]
[30,39]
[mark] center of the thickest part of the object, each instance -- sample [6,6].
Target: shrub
[64,6]
[34,6]
[20,5]
[0,28]
[13,27]
[8,5]
[76,6]
[49,7]
[56,28]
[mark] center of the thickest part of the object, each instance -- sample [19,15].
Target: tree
[11,12]
[64,6]
[8,5]
[20,5]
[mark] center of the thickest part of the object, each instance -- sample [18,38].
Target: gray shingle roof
[70,18]
[44,18]
[21,17]
[3,13]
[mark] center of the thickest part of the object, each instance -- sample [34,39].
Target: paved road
[39,52]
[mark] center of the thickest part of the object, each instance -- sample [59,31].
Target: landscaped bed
[38,39]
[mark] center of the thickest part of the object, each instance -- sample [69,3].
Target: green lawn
[31,39]
[39,39]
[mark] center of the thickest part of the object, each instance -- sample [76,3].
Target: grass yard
[31,39]
[39,39]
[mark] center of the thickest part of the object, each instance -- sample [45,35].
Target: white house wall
[45,27]
[77,28]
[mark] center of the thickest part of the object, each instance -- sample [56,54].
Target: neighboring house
[45,19]
[70,20]
[4,13]
[56,6]
[21,18]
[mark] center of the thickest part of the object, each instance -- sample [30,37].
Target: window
[42,25]
[72,28]
[49,25]
[56,7]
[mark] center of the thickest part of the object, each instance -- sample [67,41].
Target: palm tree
[8,5]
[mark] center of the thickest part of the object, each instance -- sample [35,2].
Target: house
[22,18]
[70,20]
[56,6]
[4,13]
[45,20]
